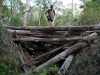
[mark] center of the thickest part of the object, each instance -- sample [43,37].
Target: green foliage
[8,64]
[47,71]
[32,22]
[87,62]
[65,19]
[5,14]
[91,13]
[15,20]
[52,70]
[44,21]
[12,12]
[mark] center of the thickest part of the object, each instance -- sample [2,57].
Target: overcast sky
[70,1]
[64,1]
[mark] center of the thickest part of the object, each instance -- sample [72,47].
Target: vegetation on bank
[90,14]
[9,59]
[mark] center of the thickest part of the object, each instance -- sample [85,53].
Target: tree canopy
[13,11]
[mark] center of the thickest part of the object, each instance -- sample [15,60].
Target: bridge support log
[65,66]
[63,54]
[57,28]
[46,54]
[86,38]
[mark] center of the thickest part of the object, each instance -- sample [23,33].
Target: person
[50,14]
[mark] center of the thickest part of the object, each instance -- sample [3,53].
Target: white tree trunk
[73,8]
[84,1]
[40,16]
[26,13]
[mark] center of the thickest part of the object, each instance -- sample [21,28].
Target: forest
[28,46]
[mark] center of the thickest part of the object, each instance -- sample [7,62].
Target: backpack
[50,13]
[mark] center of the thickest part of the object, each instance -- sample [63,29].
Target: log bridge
[43,46]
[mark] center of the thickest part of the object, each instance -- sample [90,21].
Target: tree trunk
[73,8]
[1,4]
[84,1]
[65,65]
[26,13]
[40,16]
[22,56]
[63,54]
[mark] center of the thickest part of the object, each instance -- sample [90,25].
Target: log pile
[45,46]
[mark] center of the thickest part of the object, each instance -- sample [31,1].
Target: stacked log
[45,46]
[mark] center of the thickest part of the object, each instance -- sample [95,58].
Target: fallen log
[86,38]
[18,31]
[45,54]
[63,54]
[65,66]
[22,56]
[42,36]
[47,36]
[57,28]
[92,36]
[20,47]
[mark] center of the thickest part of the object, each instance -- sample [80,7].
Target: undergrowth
[46,71]
[8,59]
[87,61]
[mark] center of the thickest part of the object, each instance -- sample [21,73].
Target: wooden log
[45,54]
[57,28]
[63,54]
[89,37]
[43,36]
[22,61]
[20,47]
[97,31]
[18,31]
[65,66]
[92,36]
[22,56]
[47,36]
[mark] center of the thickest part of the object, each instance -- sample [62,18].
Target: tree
[1,3]
[73,8]
[84,1]
[90,14]
[12,12]
[26,12]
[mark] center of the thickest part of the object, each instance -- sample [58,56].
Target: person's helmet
[51,5]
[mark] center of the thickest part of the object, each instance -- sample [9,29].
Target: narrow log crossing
[43,46]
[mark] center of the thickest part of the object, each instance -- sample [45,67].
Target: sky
[65,2]
[70,1]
